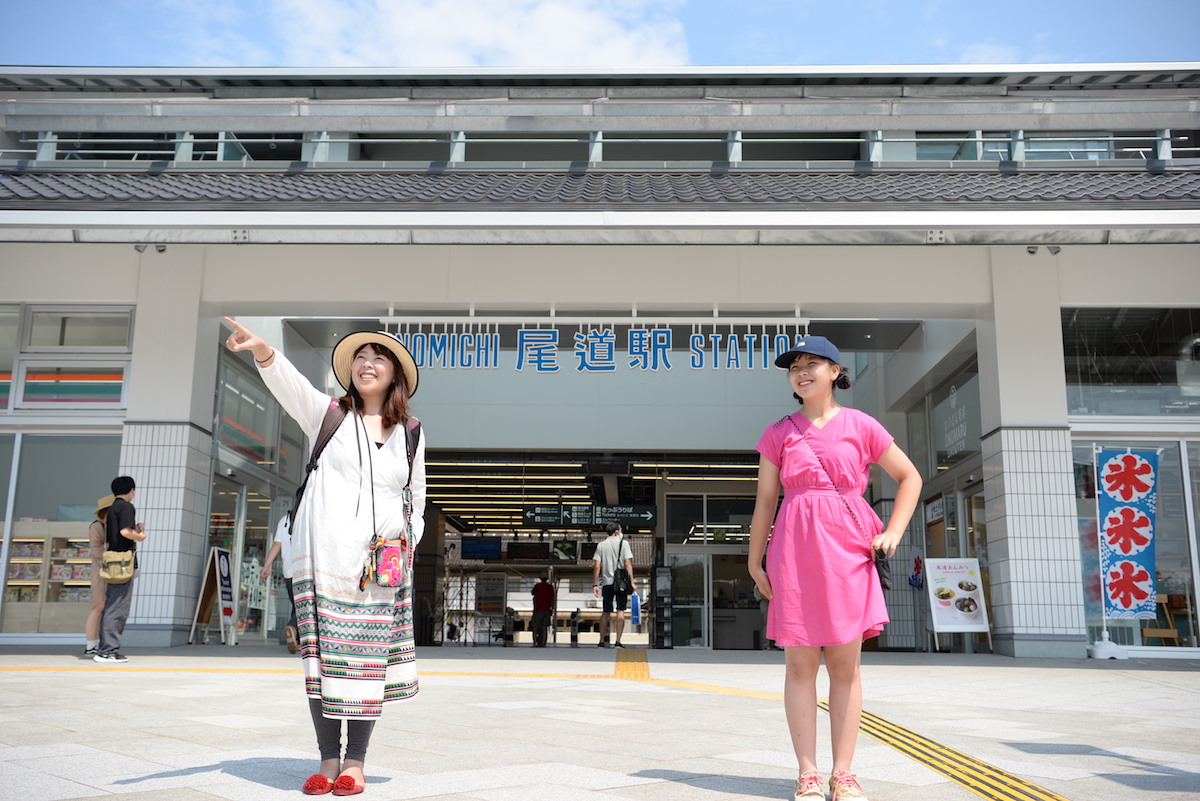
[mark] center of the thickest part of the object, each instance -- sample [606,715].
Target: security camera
[1031,249]
[160,248]
[229,471]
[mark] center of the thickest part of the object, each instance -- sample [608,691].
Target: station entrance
[510,518]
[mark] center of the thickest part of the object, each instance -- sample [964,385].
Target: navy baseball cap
[817,346]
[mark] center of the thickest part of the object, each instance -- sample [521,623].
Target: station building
[595,269]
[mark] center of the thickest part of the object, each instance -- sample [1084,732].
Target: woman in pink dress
[820,572]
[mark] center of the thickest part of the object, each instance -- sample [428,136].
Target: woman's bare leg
[800,702]
[842,662]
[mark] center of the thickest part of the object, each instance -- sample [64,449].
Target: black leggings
[329,735]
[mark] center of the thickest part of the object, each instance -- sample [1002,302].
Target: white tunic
[357,645]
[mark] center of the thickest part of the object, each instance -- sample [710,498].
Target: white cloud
[474,33]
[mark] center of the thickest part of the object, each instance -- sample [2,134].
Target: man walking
[123,534]
[612,555]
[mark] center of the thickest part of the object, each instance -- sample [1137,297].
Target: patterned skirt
[358,654]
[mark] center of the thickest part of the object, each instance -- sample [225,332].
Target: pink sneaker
[844,785]
[809,788]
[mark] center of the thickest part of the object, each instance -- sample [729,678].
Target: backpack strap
[412,436]
[334,416]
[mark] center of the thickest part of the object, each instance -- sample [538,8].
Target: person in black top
[123,534]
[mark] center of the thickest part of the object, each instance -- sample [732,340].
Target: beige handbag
[116,567]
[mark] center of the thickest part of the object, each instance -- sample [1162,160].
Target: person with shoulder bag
[118,566]
[612,573]
[356,523]
[97,542]
[821,576]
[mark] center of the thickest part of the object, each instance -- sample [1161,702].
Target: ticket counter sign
[955,590]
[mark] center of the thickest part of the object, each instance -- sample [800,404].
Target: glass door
[689,580]
[738,621]
[976,541]
[239,520]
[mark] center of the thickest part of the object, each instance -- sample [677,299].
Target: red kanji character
[1127,530]
[1126,584]
[1128,476]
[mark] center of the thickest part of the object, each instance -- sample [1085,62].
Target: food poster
[956,595]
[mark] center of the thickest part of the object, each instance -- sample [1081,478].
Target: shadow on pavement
[282,773]
[742,785]
[1147,776]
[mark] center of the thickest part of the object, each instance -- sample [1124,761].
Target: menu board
[955,595]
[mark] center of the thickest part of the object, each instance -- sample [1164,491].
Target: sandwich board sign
[955,588]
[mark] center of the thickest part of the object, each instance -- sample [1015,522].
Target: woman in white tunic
[356,644]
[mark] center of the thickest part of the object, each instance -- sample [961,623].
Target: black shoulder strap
[412,435]
[334,416]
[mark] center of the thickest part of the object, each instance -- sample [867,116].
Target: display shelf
[48,578]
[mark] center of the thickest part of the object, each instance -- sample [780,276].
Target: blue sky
[616,33]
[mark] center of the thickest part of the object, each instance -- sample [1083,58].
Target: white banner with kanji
[1127,501]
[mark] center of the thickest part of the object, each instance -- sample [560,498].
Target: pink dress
[818,560]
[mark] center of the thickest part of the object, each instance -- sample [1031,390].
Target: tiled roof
[564,191]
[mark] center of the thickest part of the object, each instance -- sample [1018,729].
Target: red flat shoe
[345,785]
[317,784]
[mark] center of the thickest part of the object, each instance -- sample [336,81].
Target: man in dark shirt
[543,610]
[123,534]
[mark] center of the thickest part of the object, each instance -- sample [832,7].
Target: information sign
[956,595]
[628,516]
[216,582]
[585,516]
[491,593]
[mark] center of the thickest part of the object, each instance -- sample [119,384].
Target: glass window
[728,518]
[79,329]
[712,519]
[1173,548]
[293,454]
[1072,146]
[963,146]
[6,453]
[59,480]
[684,519]
[90,385]
[10,321]
[1132,361]
[955,419]
[918,440]
[247,414]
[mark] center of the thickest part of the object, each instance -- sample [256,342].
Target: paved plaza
[588,724]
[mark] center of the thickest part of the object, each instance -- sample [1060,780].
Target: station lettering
[599,350]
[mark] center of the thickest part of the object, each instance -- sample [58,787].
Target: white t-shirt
[609,557]
[283,535]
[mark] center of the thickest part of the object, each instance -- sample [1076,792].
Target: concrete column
[1033,546]
[326,146]
[185,146]
[47,149]
[596,147]
[167,442]
[884,146]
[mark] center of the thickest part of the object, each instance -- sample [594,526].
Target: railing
[735,147]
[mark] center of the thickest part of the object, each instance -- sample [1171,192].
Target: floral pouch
[389,562]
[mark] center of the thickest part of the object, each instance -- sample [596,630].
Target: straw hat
[103,503]
[343,356]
